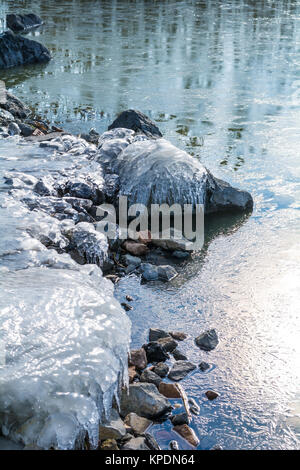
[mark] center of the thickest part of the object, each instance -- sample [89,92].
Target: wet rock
[211,395]
[169,390]
[137,423]
[176,241]
[136,443]
[132,374]
[203,366]
[83,190]
[25,129]
[207,340]
[169,344]
[109,444]
[14,106]
[155,352]
[187,433]
[180,370]
[150,377]
[157,273]
[144,237]
[144,400]
[133,261]
[13,129]
[136,121]
[194,407]
[138,358]
[19,23]
[156,333]
[17,50]
[126,306]
[134,248]
[181,418]
[174,445]
[129,298]
[161,369]
[44,188]
[178,335]
[113,429]
[178,355]
[181,254]
[151,442]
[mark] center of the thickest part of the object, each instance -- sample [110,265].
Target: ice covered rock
[89,243]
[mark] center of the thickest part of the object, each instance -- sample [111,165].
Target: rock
[136,121]
[151,442]
[130,260]
[137,423]
[138,358]
[136,249]
[211,395]
[180,370]
[178,335]
[144,400]
[207,340]
[195,408]
[176,242]
[161,369]
[14,106]
[204,366]
[174,445]
[109,444]
[157,273]
[169,390]
[178,355]
[216,447]
[132,374]
[129,298]
[17,50]
[136,443]
[144,237]
[181,254]
[13,129]
[181,418]
[2,92]
[150,377]
[18,23]
[156,333]
[155,352]
[26,129]
[169,344]
[113,429]
[126,306]
[187,433]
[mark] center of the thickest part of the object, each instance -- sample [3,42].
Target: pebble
[126,306]
[187,433]
[178,335]
[211,395]
[204,366]
[174,445]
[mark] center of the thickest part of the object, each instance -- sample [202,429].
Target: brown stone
[138,358]
[178,335]
[187,433]
[144,237]
[134,248]
[211,395]
[137,423]
[169,390]
[132,373]
[109,444]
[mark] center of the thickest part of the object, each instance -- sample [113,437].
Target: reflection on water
[222,79]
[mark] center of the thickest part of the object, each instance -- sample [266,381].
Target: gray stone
[180,370]
[157,273]
[13,129]
[150,377]
[178,355]
[113,429]
[17,50]
[181,254]
[203,366]
[136,443]
[207,340]
[130,260]
[136,121]
[161,369]
[168,343]
[137,423]
[145,400]
[19,23]
[181,418]
[156,333]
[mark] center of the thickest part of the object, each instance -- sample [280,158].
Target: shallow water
[222,79]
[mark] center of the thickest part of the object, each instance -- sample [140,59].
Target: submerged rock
[19,23]
[207,340]
[203,366]
[179,419]
[161,369]
[145,400]
[136,121]
[17,50]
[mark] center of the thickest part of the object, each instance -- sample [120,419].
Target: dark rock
[144,400]
[151,442]
[174,445]
[161,369]
[155,352]
[112,429]
[169,344]
[180,370]
[150,377]
[157,273]
[18,23]
[136,249]
[169,390]
[137,423]
[85,190]
[138,122]
[187,433]
[181,418]
[178,335]
[223,197]
[26,129]
[204,366]
[13,129]
[178,355]
[17,50]
[129,298]
[138,358]
[126,306]
[156,333]
[207,340]
[109,444]
[130,260]
[211,395]
[181,254]
[14,106]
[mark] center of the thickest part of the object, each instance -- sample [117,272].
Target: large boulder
[153,171]
[17,50]
[136,121]
[145,400]
[19,23]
